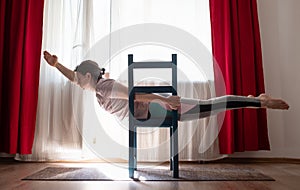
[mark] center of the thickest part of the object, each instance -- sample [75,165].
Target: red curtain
[20,51]
[237,52]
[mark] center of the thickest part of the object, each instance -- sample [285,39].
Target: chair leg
[135,149]
[171,150]
[175,153]
[131,152]
[176,167]
[131,173]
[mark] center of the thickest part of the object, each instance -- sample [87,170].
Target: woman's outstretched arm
[53,61]
[172,101]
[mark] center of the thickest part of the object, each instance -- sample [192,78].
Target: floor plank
[287,176]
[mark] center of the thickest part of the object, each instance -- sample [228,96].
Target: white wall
[280,35]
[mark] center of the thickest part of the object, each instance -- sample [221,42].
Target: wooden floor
[286,175]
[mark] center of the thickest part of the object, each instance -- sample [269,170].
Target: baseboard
[224,160]
[254,160]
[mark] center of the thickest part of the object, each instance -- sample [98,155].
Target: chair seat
[154,122]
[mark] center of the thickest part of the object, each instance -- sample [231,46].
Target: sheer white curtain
[71,125]
[197,140]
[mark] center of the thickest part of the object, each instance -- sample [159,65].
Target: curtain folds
[20,51]
[237,53]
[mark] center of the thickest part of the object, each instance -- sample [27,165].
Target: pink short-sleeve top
[118,107]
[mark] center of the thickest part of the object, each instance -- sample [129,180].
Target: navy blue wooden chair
[171,123]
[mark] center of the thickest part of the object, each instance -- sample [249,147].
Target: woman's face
[84,81]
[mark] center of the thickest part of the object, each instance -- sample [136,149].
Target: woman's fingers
[174,102]
[51,59]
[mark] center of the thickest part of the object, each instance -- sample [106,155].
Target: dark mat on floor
[198,173]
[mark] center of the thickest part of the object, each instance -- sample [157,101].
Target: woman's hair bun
[102,71]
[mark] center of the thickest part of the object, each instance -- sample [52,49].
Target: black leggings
[205,108]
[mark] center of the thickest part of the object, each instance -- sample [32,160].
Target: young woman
[113,96]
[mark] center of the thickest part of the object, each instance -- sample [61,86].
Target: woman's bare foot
[269,102]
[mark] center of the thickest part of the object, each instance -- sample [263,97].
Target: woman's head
[91,67]
[88,74]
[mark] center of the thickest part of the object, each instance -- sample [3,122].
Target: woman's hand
[173,102]
[51,59]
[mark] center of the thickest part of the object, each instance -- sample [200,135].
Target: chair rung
[152,65]
[153,123]
[153,89]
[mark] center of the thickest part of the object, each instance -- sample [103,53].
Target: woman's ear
[88,75]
